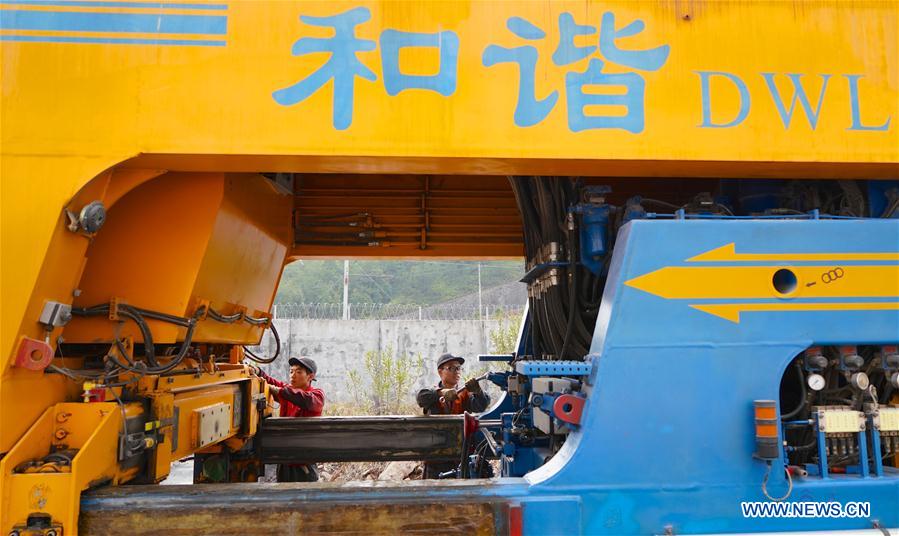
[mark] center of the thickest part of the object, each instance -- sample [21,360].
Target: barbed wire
[395,311]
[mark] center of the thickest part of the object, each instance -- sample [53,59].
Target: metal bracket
[569,408]
[33,354]
[553,368]
[114,309]
[507,358]
[131,445]
[211,424]
[540,269]
[55,314]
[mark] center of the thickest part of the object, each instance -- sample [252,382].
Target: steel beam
[361,439]
[424,507]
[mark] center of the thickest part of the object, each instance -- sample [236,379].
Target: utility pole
[480,305]
[346,290]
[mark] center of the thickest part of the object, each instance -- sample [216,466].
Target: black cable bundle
[137,315]
[150,364]
[563,303]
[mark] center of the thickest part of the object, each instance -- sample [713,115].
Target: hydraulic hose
[137,315]
[165,317]
[266,360]
[229,319]
[127,312]
[802,398]
[176,360]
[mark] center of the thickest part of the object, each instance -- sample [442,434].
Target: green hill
[420,282]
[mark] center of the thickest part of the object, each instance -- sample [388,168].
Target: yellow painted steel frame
[94,430]
[99,115]
[161,250]
[173,399]
[148,107]
[172,242]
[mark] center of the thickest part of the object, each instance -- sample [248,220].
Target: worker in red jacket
[298,399]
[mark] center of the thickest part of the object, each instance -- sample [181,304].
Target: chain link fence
[395,311]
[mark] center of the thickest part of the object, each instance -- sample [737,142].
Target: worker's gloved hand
[449,395]
[473,386]
[254,369]
[273,390]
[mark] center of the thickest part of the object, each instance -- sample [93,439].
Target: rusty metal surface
[419,507]
[359,439]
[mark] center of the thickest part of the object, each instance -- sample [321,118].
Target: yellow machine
[162,162]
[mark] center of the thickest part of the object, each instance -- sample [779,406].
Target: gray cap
[304,362]
[446,358]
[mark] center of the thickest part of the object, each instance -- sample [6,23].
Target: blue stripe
[784,263]
[799,301]
[83,3]
[112,22]
[111,40]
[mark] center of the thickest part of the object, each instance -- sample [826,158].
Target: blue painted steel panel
[667,434]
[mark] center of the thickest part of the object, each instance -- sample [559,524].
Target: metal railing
[395,311]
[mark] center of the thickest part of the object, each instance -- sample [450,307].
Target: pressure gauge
[860,381]
[816,382]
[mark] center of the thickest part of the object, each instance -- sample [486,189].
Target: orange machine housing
[240,222]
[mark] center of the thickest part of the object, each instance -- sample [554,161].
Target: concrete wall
[338,346]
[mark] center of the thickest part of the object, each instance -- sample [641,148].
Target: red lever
[568,408]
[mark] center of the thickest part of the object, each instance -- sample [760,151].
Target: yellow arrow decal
[711,282]
[731,311]
[729,253]
[783,282]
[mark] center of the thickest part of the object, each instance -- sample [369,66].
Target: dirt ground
[355,471]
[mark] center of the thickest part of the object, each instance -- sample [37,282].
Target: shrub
[386,385]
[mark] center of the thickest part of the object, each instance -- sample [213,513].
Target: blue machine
[703,313]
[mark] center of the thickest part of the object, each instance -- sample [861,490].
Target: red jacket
[297,402]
